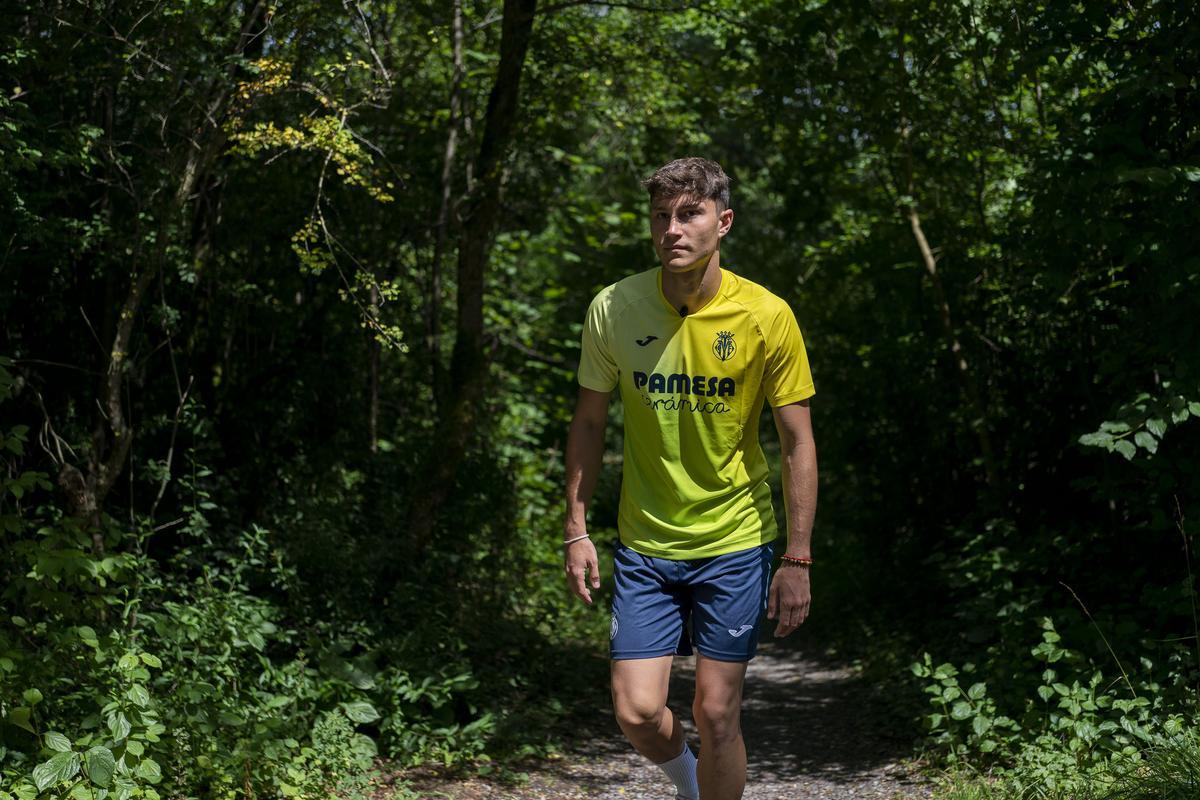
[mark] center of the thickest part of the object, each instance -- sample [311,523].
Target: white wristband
[576,539]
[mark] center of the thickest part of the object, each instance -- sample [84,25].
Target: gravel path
[813,732]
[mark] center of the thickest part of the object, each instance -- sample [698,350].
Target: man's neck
[690,291]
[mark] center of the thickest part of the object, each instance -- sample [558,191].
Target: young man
[695,350]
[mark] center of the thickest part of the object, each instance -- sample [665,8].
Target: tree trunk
[966,378]
[373,402]
[434,309]
[457,420]
[86,493]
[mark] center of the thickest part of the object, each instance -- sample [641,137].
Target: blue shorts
[662,606]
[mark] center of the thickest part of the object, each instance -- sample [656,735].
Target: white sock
[682,770]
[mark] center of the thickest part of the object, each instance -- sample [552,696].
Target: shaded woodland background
[291,296]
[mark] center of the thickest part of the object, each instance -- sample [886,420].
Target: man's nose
[674,228]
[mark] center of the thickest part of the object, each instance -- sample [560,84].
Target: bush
[1071,727]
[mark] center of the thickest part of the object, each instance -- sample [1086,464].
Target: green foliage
[1072,727]
[1168,770]
[1141,423]
[966,720]
[338,761]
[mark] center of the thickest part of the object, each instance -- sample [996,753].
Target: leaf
[100,766]
[119,726]
[19,716]
[148,770]
[231,719]
[1156,426]
[944,671]
[1125,448]
[1045,692]
[360,711]
[31,696]
[1145,441]
[138,695]
[123,788]
[61,767]
[960,710]
[151,661]
[128,661]
[56,741]
[135,747]
[980,725]
[977,691]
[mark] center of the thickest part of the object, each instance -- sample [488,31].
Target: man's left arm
[790,595]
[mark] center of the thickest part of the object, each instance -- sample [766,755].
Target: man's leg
[729,595]
[639,691]
[718,714]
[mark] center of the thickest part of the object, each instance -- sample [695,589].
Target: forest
[291,295]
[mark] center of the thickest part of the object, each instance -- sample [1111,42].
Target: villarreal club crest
[723,347]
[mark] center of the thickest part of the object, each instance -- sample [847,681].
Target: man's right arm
[585,451]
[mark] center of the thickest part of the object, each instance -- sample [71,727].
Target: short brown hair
[695,177]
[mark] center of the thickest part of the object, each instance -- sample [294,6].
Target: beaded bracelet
[806,562]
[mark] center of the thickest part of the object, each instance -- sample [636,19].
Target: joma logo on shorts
[682,383]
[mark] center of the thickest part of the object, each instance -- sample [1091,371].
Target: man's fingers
[594,570]
[577,583]
[581,589]
[791,616]
[773,603]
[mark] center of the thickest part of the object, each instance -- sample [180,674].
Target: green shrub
[1071,727]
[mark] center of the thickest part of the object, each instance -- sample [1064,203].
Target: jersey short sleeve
[786,377]
[597,367]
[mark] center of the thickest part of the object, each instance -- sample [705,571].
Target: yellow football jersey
[695,479]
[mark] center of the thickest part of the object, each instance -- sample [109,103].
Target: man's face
[686,231]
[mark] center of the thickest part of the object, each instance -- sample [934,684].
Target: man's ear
[724,222]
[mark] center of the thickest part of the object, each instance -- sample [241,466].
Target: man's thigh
[639,685]
[719,683]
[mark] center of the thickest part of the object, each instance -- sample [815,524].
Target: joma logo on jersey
[682,383]
[723,347]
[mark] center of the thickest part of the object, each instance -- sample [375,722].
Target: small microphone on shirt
[683,311]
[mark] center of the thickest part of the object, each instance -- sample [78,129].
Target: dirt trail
[813,732]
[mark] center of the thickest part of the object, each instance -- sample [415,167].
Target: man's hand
[580,564]
[789,599]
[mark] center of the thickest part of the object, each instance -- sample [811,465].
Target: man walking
[695,350]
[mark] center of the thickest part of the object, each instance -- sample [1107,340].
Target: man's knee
[718,716]
[638,710]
